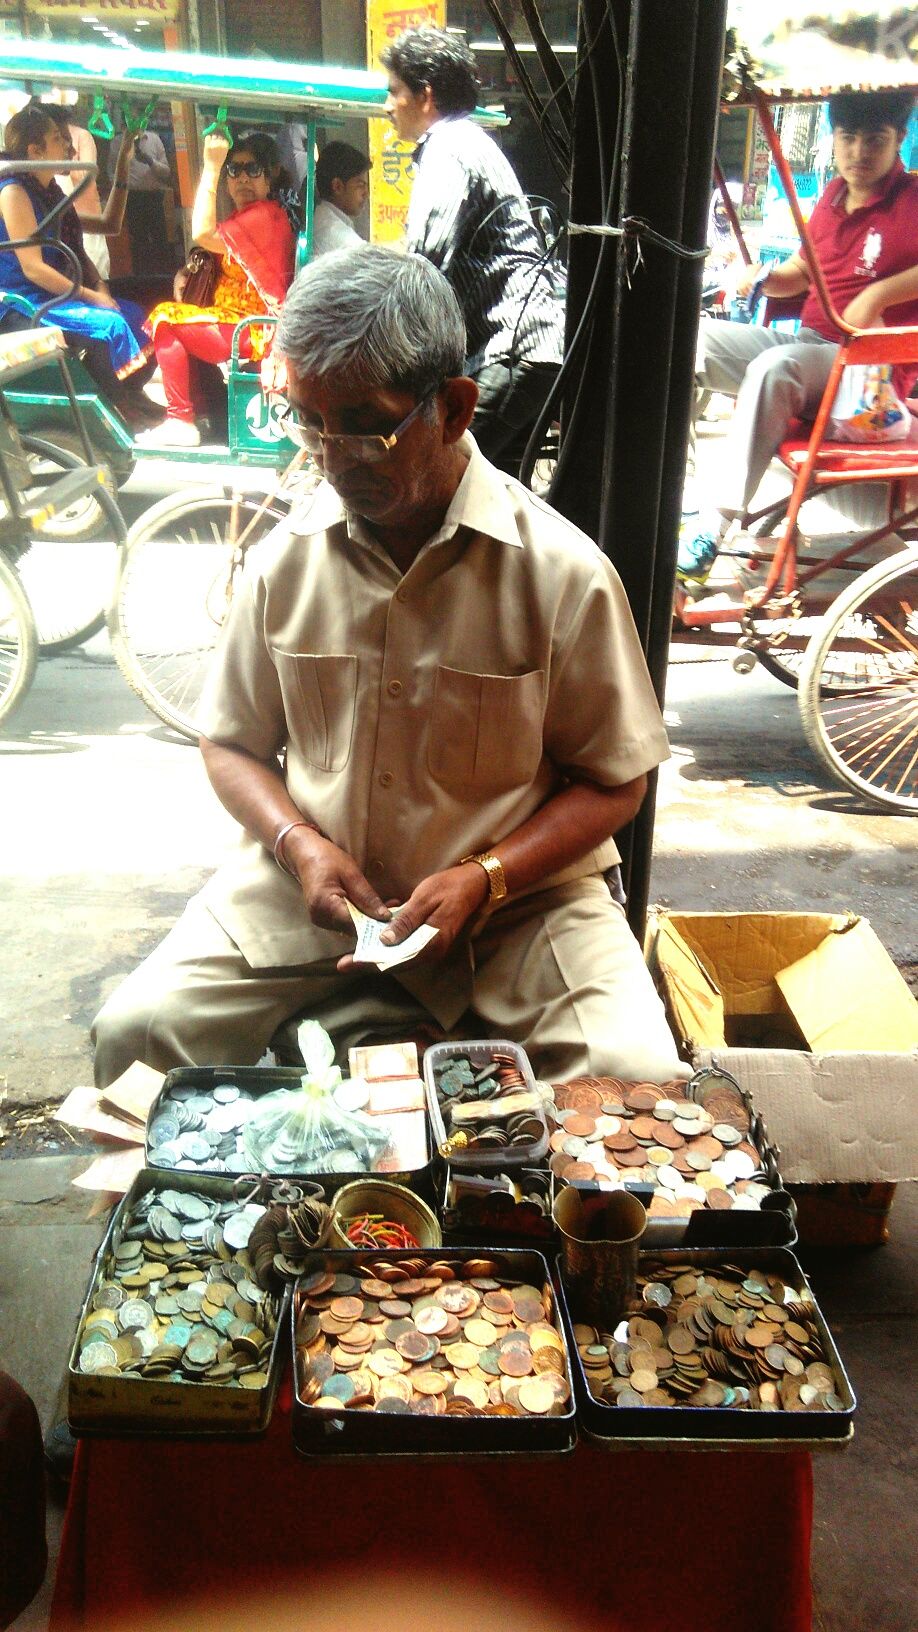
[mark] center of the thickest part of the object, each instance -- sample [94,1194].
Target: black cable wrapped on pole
[640,362]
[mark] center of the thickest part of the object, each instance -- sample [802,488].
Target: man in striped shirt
[468,215]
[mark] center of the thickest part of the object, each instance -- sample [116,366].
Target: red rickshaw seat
[868,460]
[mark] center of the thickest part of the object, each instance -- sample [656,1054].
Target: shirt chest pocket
[320,704]
[485,730]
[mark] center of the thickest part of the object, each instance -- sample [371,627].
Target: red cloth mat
[628,1541]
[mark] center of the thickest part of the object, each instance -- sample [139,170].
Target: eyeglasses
[246,167]
[363,450]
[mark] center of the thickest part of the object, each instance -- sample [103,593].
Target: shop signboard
[123,11]
[390,175]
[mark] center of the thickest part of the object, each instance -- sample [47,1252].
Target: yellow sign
[390,176]
[122,11]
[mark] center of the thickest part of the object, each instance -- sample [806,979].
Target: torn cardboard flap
[848,994]
[822,978]
[842,1118]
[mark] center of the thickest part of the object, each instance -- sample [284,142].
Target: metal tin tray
[364,1433]
[488,1221]
[483,1161]
[118,1407]
[258,1081]
[774,1225]
[709,1427]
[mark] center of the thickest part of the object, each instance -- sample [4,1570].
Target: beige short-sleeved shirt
[424,715]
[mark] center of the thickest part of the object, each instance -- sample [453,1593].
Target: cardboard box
[809,1013]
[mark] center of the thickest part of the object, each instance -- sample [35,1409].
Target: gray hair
[374,317]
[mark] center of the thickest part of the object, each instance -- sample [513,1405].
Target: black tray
[701,1427]
[485,1221]
[258,1080]
[364,1433]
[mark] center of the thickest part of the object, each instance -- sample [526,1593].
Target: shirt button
[386,779]
[395,688]
[376,866]
[401,594]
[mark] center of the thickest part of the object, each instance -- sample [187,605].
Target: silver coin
[135,1312]
[108,1296]
[102,1331]
[726,1133]
[97,1355]
[226,1094]
[163,1129]
[167,1155]
[574,1146]
[194,1147]
[193,1208]
[237,1230]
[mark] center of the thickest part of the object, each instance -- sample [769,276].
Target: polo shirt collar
[887,185]
[481,503]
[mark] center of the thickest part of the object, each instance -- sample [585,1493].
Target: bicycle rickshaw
[838,623]
[174,581]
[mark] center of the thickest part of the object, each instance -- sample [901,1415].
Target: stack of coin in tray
[609,1132]
[459,1082]
[177,1300]
[192,1129]
[720,1337]
[452,1338]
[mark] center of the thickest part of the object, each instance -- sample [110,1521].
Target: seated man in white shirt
[342,186]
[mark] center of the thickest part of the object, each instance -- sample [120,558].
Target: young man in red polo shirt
[865,232]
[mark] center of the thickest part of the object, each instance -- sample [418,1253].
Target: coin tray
[705,1427]
[129,1405]
[773,1225]
[480,1053]
[347,1433]
[258,1081]
[498,1219]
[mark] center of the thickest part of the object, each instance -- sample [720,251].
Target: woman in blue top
[39,271]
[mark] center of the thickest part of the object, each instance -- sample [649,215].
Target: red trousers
[177,345]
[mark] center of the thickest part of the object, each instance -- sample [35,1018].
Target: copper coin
[346,1308]
[720,1200]
[630,1158]
[580,1126]
[556,1142]
[432,1320]
[462,1356]
[417,1347]
[624,1140]
[559,1163]
[665,1134]
[582,1171]
[429,1382]
[394,1388]
[643,1098]
[500,1303]
[395,1308]
[579,1096]
[644,1127]
[515,1362]
[536,1396]
[372,1288]
[457,1299]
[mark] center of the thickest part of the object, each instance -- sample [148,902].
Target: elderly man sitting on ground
[429,691]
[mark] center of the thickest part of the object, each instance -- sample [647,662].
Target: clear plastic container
[481,1053]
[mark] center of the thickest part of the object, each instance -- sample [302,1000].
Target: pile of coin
[451,1338]
[284,1237]
[607,1132]
[719,1337]
[459,1081]
[196,1130]
[519,1204]
[176,1299]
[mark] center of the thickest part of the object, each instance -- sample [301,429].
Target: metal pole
[641,363]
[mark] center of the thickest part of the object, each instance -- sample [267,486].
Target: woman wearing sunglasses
[256,246]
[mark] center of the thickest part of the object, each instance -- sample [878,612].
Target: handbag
[866,407]
[203,272]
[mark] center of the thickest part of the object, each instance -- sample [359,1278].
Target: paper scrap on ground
[370,949]
[134,1091]
[82,1109]
[115,1173]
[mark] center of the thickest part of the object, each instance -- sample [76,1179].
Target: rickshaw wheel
[18,641]
[785,661]
[867,734]
[68,567]
[173,590]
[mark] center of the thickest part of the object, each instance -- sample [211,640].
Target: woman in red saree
[256,248]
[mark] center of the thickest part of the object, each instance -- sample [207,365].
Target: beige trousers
[558,972]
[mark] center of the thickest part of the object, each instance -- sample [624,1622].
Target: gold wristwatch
[497,884]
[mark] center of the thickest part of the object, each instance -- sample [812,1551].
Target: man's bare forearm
[570,825]
[253,791]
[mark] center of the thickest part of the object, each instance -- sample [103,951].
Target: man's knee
[140,1021]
